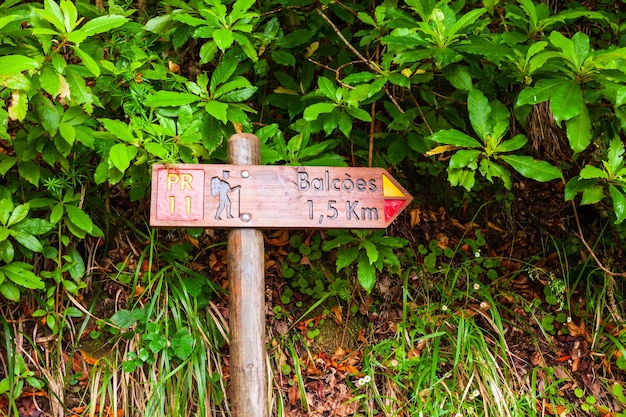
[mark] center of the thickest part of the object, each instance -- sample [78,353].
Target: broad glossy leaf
[29,171]
[359,114]
[327,88]
[366,273]
[464,157]
[77,269]
[27,240]
[222,73]
[566,101]
[489,169]
[103,24]
[513,144]
[79,218]
[88,61]
[313,111]
[118,129]
[70,15]
[223,38]
[19,105]
[456,138]
[34,226]
[542,91]
[10,291]
[615,156]
[619,203]
[541,171]
[120,156]
[592,195]
[170,99]
[591,172]
[238,96]
[20,273]
[18,214]
[575,186]
[370,250]
[218,110]
[47,113]
[579,132]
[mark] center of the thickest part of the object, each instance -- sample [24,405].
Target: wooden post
[246,292]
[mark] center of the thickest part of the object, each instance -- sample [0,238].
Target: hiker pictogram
[220,187]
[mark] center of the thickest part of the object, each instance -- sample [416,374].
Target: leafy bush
[92,97]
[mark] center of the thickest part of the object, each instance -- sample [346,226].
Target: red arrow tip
[392,207]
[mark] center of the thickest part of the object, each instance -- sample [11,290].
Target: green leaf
[88,61]
[27,240]
[283,58]
[19,273]
[222,73]
[615,159]
[541,171]
[70,15]
[103,24]
[67,132]
[170,99]
[47,113]
[223,38]
[6,207]
[19,105]
[589,172]
[513,144]
[19,213]
[489,169]
[183,345]
[118,129]
[314,110]
[10,291]
[456,138]
[592,195]
[11,65]
[464,158]
[218,110]
[366,273]
[542,91]
[79,218]
[34,226]
[566,101]
[579,131]
[327,88]
[371,250]
[52,13]
[121,155]
[346,257]
[77,268]
[123,319]
[29,171]
[479,112]
[359,114]
[619,204]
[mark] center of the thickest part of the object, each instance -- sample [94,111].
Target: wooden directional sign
[260,196]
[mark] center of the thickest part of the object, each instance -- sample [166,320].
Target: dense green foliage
[93,94]
[93,97]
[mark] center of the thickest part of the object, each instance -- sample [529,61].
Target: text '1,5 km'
[260,196]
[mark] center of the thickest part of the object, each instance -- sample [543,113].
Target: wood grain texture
[246,292]
[230,196]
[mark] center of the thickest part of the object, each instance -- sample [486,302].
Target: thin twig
[590,250]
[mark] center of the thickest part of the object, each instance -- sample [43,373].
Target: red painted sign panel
[259,196]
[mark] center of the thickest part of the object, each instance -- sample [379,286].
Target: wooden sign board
[260,196]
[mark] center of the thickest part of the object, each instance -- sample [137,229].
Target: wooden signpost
[245,197]
[232,196]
